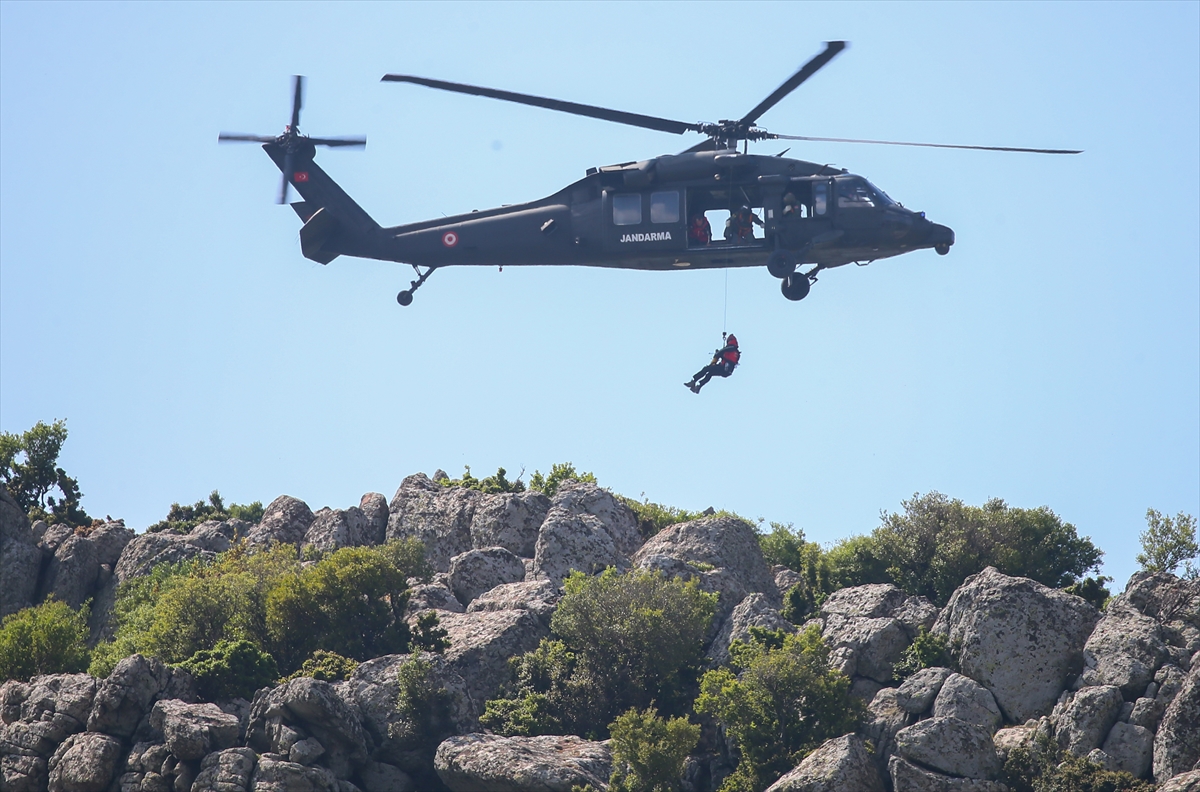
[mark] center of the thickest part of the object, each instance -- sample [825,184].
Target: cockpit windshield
[857,192]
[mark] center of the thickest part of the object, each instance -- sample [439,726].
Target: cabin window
[820,198]
[627,209]
[852,194]
[664,207]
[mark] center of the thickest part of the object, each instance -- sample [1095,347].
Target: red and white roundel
[449,239]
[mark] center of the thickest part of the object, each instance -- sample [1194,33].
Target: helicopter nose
[940,238]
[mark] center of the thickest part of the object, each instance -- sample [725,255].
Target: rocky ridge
[1121,687]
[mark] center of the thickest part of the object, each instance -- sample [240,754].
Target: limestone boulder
[335,528]
[1083,718]
[1125,649]
[285,716]
[537,596]
[148,550]
[22,773]
[43,712]
[967,700]
[908,777]
[383,777]
[226,771]
[617,519]
[881,600]
[1018,638]
[149,768]
[85,762]
[440,517]
[950,746]
[275,775]
[838,765]
[375,508]
[868,647]
[510,520]
[753,611]
[1177,743]
[1174,604]
[435,596]
[1129,749]
[1184,782]
[284,521]
[568,541]
[192,731]
[1012,737]
[917,693]
[721,552]
[481,644]
[786,579]
[476,571]
[491,763]
[20,558]
[124,698]
[884,720]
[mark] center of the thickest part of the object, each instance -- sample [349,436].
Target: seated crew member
[740,225]
[699,231]
[724,361]
[790,205]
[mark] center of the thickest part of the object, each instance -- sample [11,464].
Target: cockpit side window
[627,209]
[854,193]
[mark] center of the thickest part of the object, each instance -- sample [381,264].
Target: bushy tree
[1167,543]
[648,752]
[928,650]
[622,641]
[29,470]
[425,718]
[559,472]
[786,546]
[46,639]
[785,702]
[182,519]
[326,666]
[1092,589]
[231,669]
[1047,768]
[491,484]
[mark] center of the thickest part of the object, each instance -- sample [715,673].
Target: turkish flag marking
[300,176]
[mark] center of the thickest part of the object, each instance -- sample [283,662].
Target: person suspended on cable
[724,361]
[740,225]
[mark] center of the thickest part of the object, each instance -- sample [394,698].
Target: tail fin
[333,223]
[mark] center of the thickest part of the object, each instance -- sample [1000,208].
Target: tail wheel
[781,264]
[795,286]
[405,297]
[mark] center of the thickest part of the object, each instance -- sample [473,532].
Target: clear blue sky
[153,295]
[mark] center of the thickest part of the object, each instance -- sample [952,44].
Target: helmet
[745,208]
[732,339]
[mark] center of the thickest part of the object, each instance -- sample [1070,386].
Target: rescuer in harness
[699,232]
[740,225]
[724,361]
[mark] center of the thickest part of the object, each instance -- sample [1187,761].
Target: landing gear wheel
[404,297]
[942,249]
[781,264]
[795,286]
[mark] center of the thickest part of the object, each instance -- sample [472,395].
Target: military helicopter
[656,214]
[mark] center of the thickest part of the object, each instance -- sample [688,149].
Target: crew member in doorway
[740,225]
[699,232]
[724,361]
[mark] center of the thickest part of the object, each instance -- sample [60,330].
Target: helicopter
[654,214]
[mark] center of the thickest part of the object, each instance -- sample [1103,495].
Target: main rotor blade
[832,48]
[603,113]
[927,145]
[227,137]
[297,100]
[288,167]
[338,141]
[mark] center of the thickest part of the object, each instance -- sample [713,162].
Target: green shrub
[428,634]
[926,651]
[1092,589]
[182,519]
[326,666]
[1046,768]
[491,484]
[785,703]
[46,639]
[1167,543]
[648,752]
[855,561]
[559,472]
[623,641]
[231,669]
[29,471]
[654,517]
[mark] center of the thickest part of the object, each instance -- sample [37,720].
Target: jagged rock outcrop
[1128,748]
[436,596]
[40,714]
[753,611]
[1184,782]
[1084,718]
[84,762]
[536,596]
[1019,639]
[192,731]
[884,719]
[722,552]
[284,521]
[510,520]
[226,771]
[950,746]
[867,628]
[571,541]
[490,763]
[908,777]
[917,693]
[1177,743]
[20,558]
[127,694]
[477,571]
[839,765]
[334,528]
[481,644]
[83,562]
[967,700]
[440,517]
[283,718]
[617,519]
[375,508]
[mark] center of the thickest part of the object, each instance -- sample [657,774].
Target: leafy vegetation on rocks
[231,669]
[1047,768]
[49,638]
[489,485]
[1169,542]
[783,704]
[928,650]
[182,519]
[326,667]
[622,641]
[559,472]
[29,470]
[648,751]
